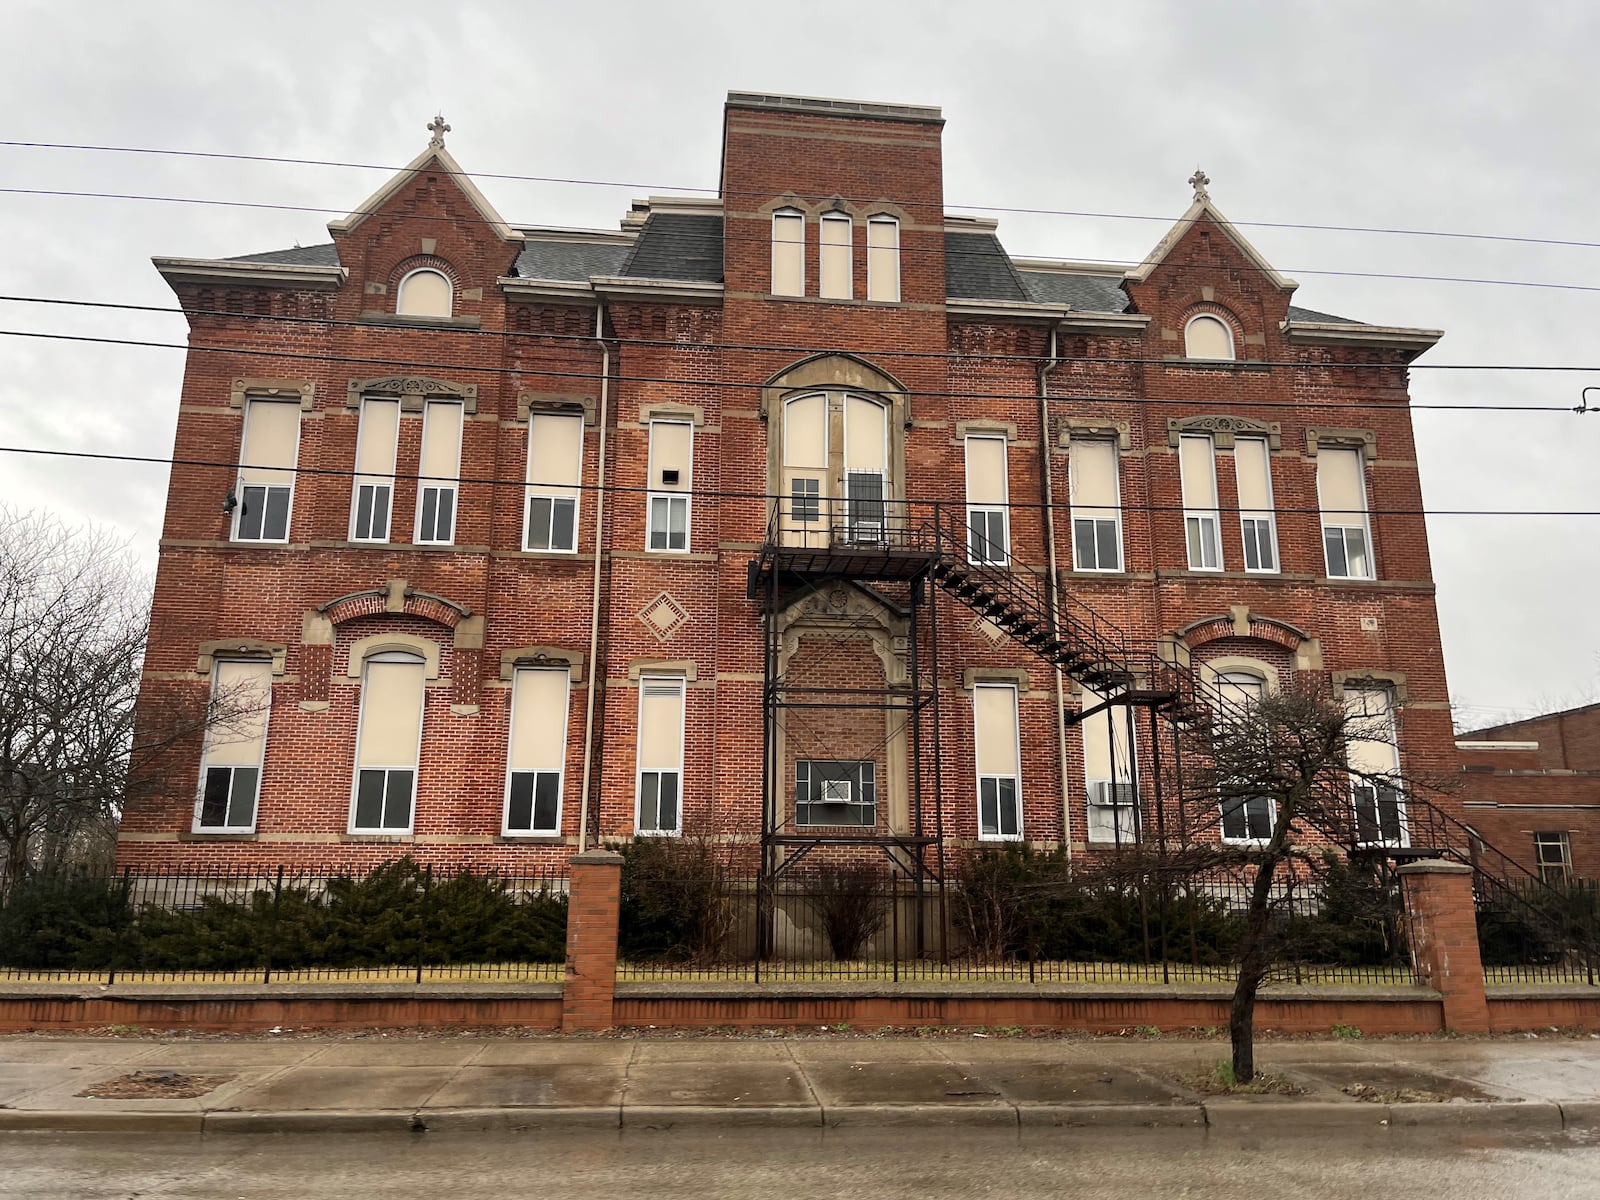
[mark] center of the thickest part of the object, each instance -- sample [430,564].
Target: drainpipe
[1047,487]
[594,601]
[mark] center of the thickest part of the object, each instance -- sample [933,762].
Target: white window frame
[1202,517]
[1117,785]
[531,491]
[853,801]
[260,766]
[1002,510]
[883,219]
[242,507]
[1263,683]
[1115,520]
[363,431]
[1267,517]
[1233,350]
[1345,528]
[666,499]
[400,295]
[772,274]
[980,777]
[823,248]
[423,487]
[640,772]
[1123,799]
[560,773]
[416,770]
[1359,785]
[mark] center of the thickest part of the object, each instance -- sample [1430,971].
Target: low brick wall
[1514,1009]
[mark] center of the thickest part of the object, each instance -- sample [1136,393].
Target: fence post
[594,901]
[422,918]
[272,926]
[1444,939]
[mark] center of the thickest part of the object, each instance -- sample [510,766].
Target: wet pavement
[500,1082]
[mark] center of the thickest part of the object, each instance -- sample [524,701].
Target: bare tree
[74,612]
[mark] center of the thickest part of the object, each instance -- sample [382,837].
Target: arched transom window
[424,293]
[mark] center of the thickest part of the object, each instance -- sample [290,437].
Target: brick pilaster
[1444,938]
[594,898]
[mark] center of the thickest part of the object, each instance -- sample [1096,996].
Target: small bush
[677,902]
[851,902]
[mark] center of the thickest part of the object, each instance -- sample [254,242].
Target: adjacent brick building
[488,512]
[1532,789]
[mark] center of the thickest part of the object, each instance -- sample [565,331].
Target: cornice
[223,271]
[1326,333]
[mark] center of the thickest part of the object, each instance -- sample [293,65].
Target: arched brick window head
[424,293]
[1208,337]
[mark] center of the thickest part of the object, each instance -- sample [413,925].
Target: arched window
[788,253]
[388,742]
[424,293]
[883,258]
[835,470]
[1208,337]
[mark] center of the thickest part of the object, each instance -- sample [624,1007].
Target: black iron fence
[1530,931]
[398,921]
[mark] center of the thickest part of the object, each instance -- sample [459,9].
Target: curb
[1510,1116]
[1111,1116]
[1255,1116]
[879,1116]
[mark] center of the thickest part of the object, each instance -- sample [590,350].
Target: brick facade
[964,348]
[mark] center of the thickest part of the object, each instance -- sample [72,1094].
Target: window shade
[1207,337]
[1250,465]
[271,442]
[1372,711]
[805,432]
[1100,732]
[986,470]
[555,451]
[1199,476]
[788,254]
[424,294]
[1092,481]
[834,279]
[391,713]
[671,449]
[441,442]
[245,689]
[380,425]
[538,720]
[994,715]
[883,259]
[1341,483]
[866,435]
[660,724]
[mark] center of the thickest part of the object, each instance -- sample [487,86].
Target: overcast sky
[1443,116]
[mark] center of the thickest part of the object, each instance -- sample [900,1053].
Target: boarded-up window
[1342,493]
[835,278]
[536,756]
[660,754]
[440,470]
[374,486]
[1094,492]
[671,478]
[788,253]
[883,259]
[387,745]
[994,718]
[236,744]
[988,500]
[424,294]
[268,453]
[555,465]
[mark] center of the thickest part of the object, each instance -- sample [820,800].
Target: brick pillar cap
[603,858]
[1434,866]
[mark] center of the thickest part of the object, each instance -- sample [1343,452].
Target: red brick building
[527,528]
[1532,789]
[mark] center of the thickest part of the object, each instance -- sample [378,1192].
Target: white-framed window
[1252,468]
[440,472]
[835,792]
[866,470]
[1552,856]
[1342,496]
[883,259]
[536,752]
[1376,793]
[1208,337]
[988,500]
[269,451]
[388,742]
[555,466]
[659,788]
[425,293]
[835,252]
[998,761]
[235,747]
[788,253]
[1246,820]
[1197,462]
[671,482]
[1095,493]
[372,501]
[805,513]
[1108,772]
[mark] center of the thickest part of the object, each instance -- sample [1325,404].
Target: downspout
[594,601]
[1047,487]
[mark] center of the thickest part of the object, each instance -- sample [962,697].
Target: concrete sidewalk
[463,1083]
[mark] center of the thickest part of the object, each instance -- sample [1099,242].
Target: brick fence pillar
[594,897]
[1444,937]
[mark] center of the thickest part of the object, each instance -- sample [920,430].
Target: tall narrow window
[536,758]
[988,500]
[788,253]
[866,465]
[835,278]
[1247,819]
[555,464]
[1342,494]
[1108,772]
[388,743]
[805,510]
[1094,491]
[883,259]
[374,487]
[268,454]
[1207,337]
[1375,761]
[994,719]
[1197,461]
[440,470]
[1252,468]
[1552,854]
[424,293]
[671,476]
[236,743]
[660,782]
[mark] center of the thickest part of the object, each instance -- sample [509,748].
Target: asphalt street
[885,1164]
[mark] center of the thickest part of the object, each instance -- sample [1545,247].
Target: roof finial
[438,129]
[1197,181]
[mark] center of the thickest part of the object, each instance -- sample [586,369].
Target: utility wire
[390,364]
[713,193]
[735,494]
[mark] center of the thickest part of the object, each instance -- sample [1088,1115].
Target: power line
[1399,276]
[783,348]
[738,494]
[713,193]
[391,364]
